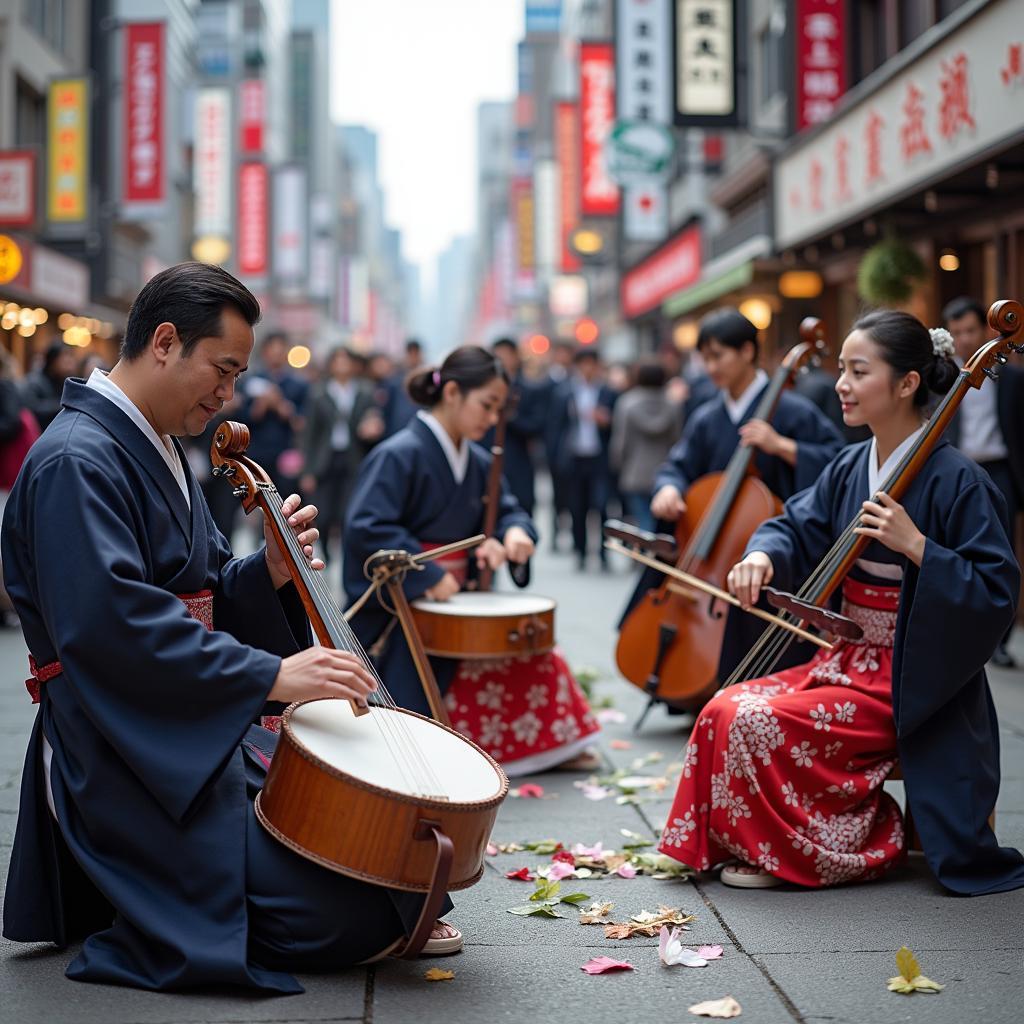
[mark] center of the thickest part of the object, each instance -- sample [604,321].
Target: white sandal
[744,876]
[444,946]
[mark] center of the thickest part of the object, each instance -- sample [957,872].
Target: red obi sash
[457,562]
[869,595]
[199,606]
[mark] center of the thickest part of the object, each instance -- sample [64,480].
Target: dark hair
[413,345]
[471,367]
[906,345]
[586,352]
[53,352]
[272,338]
[192,296]
[650,374]
[729,327]
[504,343]
[358,358]
[961,307]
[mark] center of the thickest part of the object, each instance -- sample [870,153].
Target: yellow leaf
[907,963]
[926,985]
[436,974]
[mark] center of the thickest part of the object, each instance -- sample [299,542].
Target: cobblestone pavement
[790,955]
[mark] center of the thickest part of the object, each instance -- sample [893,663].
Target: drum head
[395,751]
[487,605]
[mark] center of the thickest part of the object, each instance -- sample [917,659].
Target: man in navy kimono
[151,651]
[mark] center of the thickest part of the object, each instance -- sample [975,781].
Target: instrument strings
[396,732]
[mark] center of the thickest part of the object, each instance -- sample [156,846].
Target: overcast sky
[415,70]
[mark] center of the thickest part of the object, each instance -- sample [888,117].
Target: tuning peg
[1002,358]
[991,374]
[241,492]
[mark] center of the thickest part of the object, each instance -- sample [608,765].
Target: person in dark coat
[400,409]
[41,390]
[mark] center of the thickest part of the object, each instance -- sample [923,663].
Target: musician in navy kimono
[425,487]
[784,773]
[151,652]
[791,450]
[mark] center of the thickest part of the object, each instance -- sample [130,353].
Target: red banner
[599,195]
[252,114]
[821,59]
[253,189]
[144,176]
[676,265]
[567,153]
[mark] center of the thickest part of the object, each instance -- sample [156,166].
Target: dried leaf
[535,909]
[907,964]
[601,964]
[647,924]
[595,912]
[726,1007]
[618,931]
[437,974]
[523,874]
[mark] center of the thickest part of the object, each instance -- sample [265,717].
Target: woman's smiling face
[867,389]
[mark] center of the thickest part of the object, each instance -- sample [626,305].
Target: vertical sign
[212,162]
[251,114]
[290,213]
[17,188]
[547,231]
[252,219]
[143,180]
[599,195]
[820,59]
[567,153]
[522,215]
[68,147]
[705,58]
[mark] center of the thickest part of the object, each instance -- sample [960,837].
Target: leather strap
[437,892]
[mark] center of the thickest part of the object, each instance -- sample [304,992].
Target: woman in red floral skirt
[782,776]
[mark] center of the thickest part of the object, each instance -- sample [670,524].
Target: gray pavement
[789,955]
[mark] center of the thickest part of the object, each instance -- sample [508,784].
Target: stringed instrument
[1006,318]
[670,642]
[374,791]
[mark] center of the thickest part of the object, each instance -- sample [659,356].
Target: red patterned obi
[457,563]
[199,606]
[874,609]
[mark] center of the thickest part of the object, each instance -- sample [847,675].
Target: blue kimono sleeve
[688,459]
[961,601]
[511,513]
[377,511]
[818,442]
[148,676]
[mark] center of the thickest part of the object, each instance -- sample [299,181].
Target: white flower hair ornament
[942,342]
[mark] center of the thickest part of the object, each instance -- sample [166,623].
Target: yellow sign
[68,150]
[10,259]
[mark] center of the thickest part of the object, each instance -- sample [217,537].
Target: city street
[789,955]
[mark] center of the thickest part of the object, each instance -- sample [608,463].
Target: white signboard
[290,230]
[212,162]
[705,60]
[963,98]
[59,279]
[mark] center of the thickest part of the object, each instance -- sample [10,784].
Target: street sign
[10,259]
[638,151]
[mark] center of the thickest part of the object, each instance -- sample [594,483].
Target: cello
[670,643]
[372,791]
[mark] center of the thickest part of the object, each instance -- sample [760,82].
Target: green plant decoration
[888,271]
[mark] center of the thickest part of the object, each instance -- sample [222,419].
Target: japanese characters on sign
[212,162]
[67,148]
[950,106]
[820,60]
[144,178]
[676,265]
[17,188]
[599,194]
[251,115]
[705,63]
[253,202]
[567,153]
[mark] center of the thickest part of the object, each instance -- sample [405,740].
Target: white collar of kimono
[738,406]
[878,474]
[100,382]
[458,458]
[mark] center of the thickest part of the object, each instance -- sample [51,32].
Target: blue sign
[543,17]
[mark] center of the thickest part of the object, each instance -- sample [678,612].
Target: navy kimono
[953,611]
[153,854]
[529,414]
[406,495]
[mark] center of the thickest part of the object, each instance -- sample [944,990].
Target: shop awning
[709,290]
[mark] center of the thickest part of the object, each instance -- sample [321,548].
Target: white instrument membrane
[487,605]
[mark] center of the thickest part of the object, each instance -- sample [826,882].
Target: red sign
[252,114]
[567,153]
[821,59]
[599,195]
[144,113]
[253,189]
[17,188]
[674,266]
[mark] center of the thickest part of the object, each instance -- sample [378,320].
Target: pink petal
[664,938]
[595,851]
[594,792]
[626,870]
[529,789]
[620,745]
[600,964]
[492,850]
[709,952]
[610,716]
[559,870]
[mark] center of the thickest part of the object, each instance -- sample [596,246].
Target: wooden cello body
[671,641]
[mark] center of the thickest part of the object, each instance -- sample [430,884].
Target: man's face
[509,358]
[64,366]
[196,386]
[968,334]
[274,354]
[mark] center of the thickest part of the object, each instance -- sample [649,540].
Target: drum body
[486,625]
[360,795]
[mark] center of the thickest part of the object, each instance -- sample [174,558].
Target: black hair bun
[423,387]
[942,375]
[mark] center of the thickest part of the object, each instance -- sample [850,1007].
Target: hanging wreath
[887,273]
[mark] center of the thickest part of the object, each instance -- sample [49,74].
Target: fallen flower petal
[595,851]
[626,870]
[710,952]
[526,790]
[566,856]
[558,871]
[673,953]
[523,874]
[437,974]
[610,716]
[620,745]
[600,964]
[726,1007]
[492,850]
[591,792]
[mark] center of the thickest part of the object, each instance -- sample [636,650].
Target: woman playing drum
[425,487]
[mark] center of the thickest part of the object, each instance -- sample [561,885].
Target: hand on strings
[518,546]
[668,503]
[886,520]
[762,435]
[322,672]
[299,519]
[444,588]
[490,554]
[746,578]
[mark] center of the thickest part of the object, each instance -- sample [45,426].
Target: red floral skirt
[786,772]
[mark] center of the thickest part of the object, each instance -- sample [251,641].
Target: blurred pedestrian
[646,423]
[562,352]
[42,388]
[400,407]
